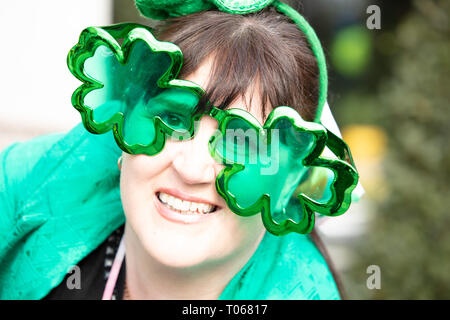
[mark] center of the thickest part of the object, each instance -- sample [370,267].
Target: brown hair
[265,48]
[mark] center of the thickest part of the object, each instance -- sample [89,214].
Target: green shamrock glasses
[276,169]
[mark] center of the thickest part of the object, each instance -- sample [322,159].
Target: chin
[176,249]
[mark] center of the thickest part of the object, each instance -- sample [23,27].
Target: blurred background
[389,92]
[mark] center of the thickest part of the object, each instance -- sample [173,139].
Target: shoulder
[59,199]
[17,160]
[288,267]
[16,164]
[309,272]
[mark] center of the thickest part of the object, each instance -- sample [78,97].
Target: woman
[181,239]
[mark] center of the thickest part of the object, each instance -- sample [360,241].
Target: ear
[119,163]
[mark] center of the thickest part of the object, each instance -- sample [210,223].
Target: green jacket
[60,199]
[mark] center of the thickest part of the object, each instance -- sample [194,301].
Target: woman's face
[167,199]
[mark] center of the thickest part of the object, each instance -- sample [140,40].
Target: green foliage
[351,50]
[410,237]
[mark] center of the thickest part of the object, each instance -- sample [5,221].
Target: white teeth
[163,197]
[183,205]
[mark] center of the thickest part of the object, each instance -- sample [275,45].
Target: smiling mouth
[185,207]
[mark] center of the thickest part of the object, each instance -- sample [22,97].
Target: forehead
[251,102]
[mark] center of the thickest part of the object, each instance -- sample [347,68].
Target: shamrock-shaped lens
[131,89]
[130,86]
[270,160]
[269,169]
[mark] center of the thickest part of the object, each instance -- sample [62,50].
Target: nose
[193,162]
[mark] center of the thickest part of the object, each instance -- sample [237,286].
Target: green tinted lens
[239,144]
[277,171]
[271,161]
[132,89]
[317,184]
[106,101]
[174,107]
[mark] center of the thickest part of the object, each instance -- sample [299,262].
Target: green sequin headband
[132,89]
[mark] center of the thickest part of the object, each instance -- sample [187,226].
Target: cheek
[238,234]
[137,178]
[143,168]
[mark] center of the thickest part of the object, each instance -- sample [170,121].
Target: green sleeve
[288,267]
[16,163]
[59,200]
